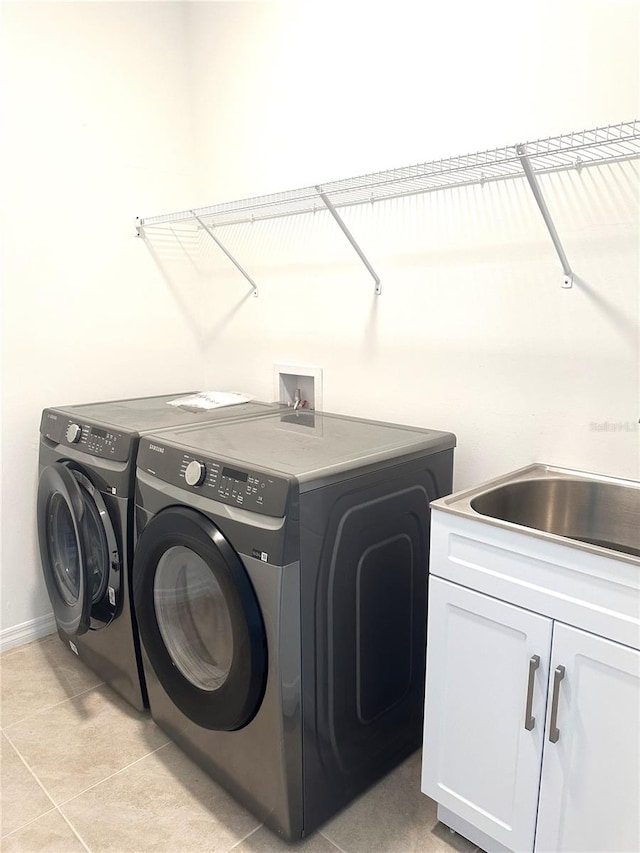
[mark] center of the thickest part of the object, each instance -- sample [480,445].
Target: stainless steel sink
[590,509]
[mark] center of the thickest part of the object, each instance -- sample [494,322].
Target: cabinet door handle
[529,719]
[554,731]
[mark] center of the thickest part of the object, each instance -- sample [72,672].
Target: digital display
[101,433]
[235,475]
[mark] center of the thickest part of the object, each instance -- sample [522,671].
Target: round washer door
[61,510]
[199,620]
[78,549]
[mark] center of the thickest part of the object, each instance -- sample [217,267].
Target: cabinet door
[590,790]
[479,759]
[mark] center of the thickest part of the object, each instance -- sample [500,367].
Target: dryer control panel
[106,442]
[256,491]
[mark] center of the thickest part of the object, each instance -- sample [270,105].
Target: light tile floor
[81,770]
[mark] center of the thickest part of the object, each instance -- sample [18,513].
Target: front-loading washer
[280,584]
[85,515]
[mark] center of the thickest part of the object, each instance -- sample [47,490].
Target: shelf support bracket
[226,252]
[521,151]
[350,238]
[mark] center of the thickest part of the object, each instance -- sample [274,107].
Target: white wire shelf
[599,146]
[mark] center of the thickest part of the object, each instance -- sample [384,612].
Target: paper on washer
[205,400]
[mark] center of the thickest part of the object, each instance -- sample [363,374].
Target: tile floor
[81,770]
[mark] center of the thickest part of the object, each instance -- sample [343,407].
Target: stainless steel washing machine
[85,514]
[280,584]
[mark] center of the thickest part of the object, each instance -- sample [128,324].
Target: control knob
[73,433]
[195,473]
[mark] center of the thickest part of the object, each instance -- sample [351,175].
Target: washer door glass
[63,549]
[60,514]
[78,549]
[96,548]
[193,618]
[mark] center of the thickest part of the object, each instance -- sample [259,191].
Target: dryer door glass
[193,617]
[199,620]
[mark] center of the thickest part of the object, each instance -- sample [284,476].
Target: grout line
[38,782]
[24,761]
[248,835]
[74,830]
[326,838]
[28,823]
[115,773]
[55,705]
[7,652]
[30,643]
[44,814]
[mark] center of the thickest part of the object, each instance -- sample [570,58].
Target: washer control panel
[212,478]
[105,442]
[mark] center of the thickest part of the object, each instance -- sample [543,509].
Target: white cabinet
[500,681]
[479,760]
[590,789]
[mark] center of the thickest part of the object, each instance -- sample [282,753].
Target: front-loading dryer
[85,515]
[280,584]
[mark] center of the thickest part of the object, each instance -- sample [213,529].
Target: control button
[195,473]
[73,433]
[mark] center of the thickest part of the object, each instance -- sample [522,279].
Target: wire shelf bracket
[222,248]
[140,232]
[350,238]
[521,151]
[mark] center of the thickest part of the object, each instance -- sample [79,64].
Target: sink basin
[603,514]
[591,510]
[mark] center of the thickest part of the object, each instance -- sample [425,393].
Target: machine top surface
[306,445]
[110,430]
[146,413]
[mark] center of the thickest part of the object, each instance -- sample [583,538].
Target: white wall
[119,109]
[473,332]
[96,130]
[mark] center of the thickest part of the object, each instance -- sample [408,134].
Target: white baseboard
[26,632]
